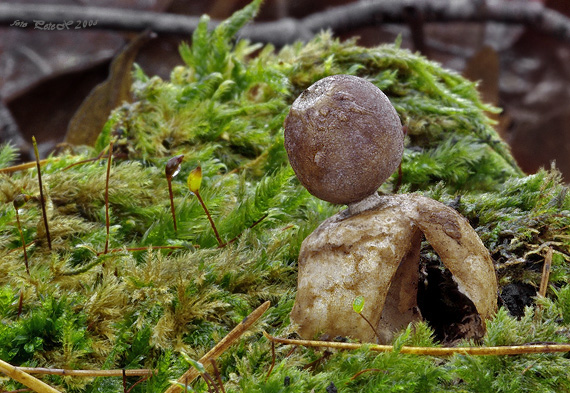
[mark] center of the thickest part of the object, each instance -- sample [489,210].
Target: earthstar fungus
[344,139]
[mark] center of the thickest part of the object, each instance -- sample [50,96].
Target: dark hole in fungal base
[450,313]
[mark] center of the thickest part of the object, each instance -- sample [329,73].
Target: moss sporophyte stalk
[42,198]
[171,169]
[19,201]
[160,291]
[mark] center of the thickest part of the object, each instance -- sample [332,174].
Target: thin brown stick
[250,227]
[544,282]
[212,388]
[528,367]
[545,273]
[431,351]
[88,373]
[141,249]
[42,198]
[141,380]
[99,156]
[217,375]
[26,379]
[368,370]
[272,360]
[220,348]
[317,362]
[17,248]
[291,351]
[124,375]
[107,224]
[20,303]
[24,166]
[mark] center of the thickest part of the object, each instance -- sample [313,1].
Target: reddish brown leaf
[86,124]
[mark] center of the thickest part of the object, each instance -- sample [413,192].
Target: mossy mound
[224,110]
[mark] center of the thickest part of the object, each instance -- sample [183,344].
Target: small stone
[344,138]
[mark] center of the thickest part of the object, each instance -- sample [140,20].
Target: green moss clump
[224,110]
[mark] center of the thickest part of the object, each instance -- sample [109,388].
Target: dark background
[45,75]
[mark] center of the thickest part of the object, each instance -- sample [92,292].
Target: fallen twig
[430,351]
[368,370]
[26,379]
[545,273]
[89,373]
[250,227]
[99,156]
[133,249]
[220,348]
[26,165]
[544,282]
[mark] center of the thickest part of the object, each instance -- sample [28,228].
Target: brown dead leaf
[31,57]
[483,67]
[88,121]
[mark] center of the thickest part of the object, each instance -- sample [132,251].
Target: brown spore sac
[343,138]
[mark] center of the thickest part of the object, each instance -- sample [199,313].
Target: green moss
[224,110]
